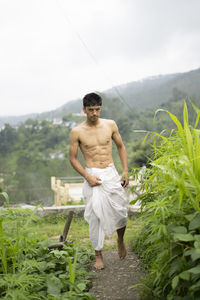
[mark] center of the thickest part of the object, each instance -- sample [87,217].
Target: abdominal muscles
[97,156]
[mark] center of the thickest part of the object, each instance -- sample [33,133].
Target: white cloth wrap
[105,205]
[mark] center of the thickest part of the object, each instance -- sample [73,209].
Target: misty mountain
[147,93]
[153,91]
[71,106]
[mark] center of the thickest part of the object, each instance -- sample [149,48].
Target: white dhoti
[105,209]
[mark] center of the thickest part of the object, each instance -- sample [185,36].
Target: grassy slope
[79,231]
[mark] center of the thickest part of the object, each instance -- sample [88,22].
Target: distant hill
[152,92]
[14,120]
[71,106]
[147,93]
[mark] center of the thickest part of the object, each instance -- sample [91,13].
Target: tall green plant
[170,240]
[3,249]
[4,195]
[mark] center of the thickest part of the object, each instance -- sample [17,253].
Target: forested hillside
[37,150]
[154,91]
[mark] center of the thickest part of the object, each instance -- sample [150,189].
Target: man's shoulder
[77,128]
[108,122]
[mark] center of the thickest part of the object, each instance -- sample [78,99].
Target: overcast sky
[53,51]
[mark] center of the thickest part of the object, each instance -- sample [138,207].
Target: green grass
[133,228]
[79,231]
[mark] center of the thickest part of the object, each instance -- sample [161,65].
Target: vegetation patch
[169,241]
[28,270]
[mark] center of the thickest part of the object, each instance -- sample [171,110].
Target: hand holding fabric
[124,179]
[93,180]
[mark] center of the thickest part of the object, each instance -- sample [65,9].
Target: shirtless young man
[103,193]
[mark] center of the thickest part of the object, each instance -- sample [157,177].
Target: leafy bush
[30,271]
[169,242]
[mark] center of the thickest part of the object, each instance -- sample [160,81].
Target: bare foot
[121,249]
[99,265]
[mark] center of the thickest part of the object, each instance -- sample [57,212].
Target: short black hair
[92,99]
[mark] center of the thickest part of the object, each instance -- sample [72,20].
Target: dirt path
[114,281]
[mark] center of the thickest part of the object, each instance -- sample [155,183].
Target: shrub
[169,242]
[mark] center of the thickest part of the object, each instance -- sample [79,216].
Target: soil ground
[114,281]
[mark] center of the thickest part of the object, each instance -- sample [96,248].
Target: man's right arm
[73,153]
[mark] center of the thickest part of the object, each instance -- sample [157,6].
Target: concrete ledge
[64,210]
[78,209]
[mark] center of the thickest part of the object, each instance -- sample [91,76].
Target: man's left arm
[122,153]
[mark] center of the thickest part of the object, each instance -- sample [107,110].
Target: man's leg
[99,265]
[120,241]
[97,240]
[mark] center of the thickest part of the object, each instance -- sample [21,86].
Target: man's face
[92,112]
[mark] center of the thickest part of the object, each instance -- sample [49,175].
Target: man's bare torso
[95,143]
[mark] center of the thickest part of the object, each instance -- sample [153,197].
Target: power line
[92,55]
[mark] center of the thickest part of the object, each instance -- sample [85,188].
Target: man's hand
[124,179]
[93,180]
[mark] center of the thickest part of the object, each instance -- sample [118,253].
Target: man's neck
[93,124]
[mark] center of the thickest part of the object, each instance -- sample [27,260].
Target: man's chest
[96,137]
